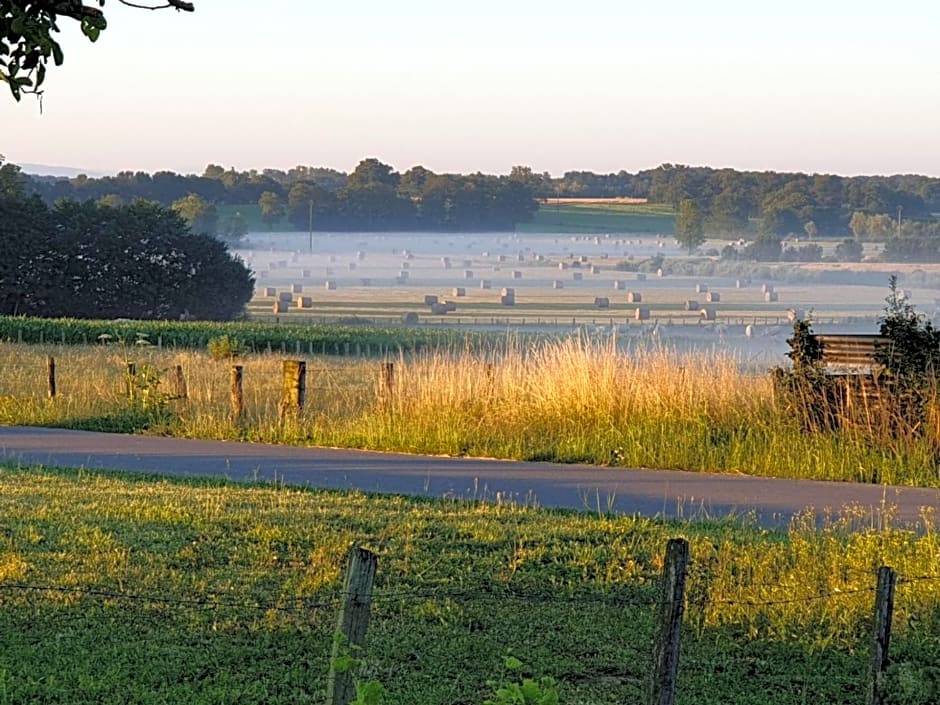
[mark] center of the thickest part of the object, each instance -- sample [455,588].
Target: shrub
[224,347]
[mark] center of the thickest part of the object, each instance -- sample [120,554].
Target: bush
[849,250]
[225,348]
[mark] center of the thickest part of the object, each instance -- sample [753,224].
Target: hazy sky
[853,88]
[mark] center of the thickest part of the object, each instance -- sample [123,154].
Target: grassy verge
[569,401]
[131,589]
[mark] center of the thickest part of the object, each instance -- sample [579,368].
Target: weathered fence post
[129,376]
[237,397]
[672,606]
[50,375]
[351,624]
[180,382]
[293,388]
[881,637]
[387,379]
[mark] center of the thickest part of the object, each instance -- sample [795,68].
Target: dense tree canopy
[89,260]
[375,196]
[28,29]
[690,231]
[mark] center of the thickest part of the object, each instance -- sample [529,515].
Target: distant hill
[60,171]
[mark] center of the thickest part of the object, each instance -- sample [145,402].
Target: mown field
[599,217]
[556,215]
[568,401]
[136,589]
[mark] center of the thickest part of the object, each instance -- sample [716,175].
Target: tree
[201,215]
[11,181]
[766,248]
[849,250]
[306,201]
[86,260]
[27,41]
[690,231]
[728,213]
[272,209]
[370,173]
[233,230]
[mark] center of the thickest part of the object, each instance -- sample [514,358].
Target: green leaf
[92,27]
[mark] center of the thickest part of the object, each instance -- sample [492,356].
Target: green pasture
[651,218]
[124,588]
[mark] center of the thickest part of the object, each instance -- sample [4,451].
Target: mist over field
[380,276]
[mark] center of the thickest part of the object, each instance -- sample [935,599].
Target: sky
[822,86]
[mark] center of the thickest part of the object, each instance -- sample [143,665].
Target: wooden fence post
[351,624]
[387,379]
[180,382]
[881,637]
[50,375]
[237,397]
[294,387]
[672,606]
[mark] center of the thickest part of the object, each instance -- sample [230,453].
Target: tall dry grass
[572,401]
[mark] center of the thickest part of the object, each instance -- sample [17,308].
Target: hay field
[557,283]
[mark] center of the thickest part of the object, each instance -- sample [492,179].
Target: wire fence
[439,644]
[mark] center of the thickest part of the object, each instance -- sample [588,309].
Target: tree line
[372,197]
[376,197]
[91,260]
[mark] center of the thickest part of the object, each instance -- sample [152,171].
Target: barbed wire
[207,601]
[218,600]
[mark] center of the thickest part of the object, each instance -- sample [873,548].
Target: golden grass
[573,401]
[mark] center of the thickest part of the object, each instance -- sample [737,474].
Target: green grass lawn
[123,588]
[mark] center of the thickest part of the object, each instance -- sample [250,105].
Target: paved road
[648,492]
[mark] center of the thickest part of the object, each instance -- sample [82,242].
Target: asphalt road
[664,493]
